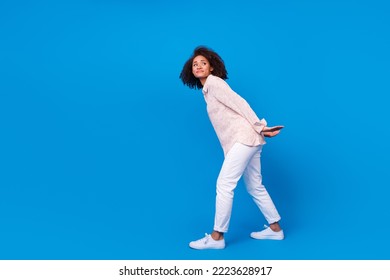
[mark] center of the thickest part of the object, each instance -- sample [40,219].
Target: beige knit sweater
[231,116]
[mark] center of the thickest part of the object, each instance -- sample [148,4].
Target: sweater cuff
[259,126]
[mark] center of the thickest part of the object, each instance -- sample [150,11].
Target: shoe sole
[268,238]
[205,248]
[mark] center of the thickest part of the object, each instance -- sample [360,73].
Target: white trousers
[242,160]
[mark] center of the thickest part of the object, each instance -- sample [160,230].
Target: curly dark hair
[215,61]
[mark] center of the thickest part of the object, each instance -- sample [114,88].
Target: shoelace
[206,238]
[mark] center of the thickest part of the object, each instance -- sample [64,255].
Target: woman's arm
[224,94]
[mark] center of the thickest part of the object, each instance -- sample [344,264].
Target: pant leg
[253,182]
[232,169]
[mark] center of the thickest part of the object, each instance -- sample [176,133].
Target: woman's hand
[272,131]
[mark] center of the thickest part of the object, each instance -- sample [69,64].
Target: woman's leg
[233,167]
[255,187]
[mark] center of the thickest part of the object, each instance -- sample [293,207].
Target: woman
[241,134]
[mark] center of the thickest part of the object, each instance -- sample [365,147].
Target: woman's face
[201,67]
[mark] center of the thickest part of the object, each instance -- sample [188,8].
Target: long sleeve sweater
[231,116]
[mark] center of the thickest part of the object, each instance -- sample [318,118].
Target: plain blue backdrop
[104,154]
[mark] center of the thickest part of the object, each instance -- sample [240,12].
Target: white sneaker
[207,242]
[268,233]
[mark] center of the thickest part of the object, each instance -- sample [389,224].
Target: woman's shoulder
[215,79]
[215,82]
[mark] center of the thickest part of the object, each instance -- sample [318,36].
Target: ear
[211,69]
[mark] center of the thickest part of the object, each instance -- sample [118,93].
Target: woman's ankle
[216,235]
[275,227]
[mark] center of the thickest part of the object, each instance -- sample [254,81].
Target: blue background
[104,154]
